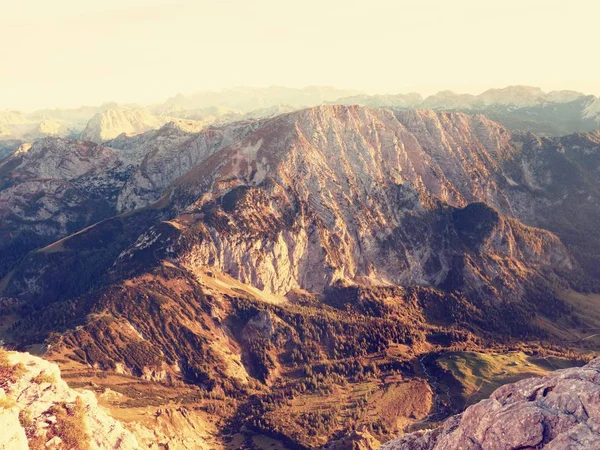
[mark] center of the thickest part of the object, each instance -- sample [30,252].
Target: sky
[66,53]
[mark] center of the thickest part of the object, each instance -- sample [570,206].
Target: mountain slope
[53,188]
[352,190]
[169,153]
[57,186]
[300,268]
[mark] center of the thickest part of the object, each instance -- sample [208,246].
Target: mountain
[107,121]
[111,123]
[15,125]
[303,273]
[557,411]
[271,111]
[522,108]
[246,99]
[256,161]
[169,153]
[517,107]
[389,190]
[46,123]
[55,187]
[423,195]
[523,96]
[592,110]
[77,117]
[8,146]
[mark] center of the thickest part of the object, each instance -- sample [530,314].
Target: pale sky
[63,53]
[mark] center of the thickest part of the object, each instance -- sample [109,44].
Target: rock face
[111,123]
[364,194]
[169,153]
[13,436]
[38,394]
[55,187]
[560,411]
[62,159]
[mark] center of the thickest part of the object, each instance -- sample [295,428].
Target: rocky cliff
[558,411]
[368,195]
[169,153]
[111,123]
[39,410]
[53,188]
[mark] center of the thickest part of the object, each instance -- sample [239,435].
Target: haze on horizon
[69,53]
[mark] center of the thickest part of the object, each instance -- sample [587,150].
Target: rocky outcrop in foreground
[39,410]
[560,411]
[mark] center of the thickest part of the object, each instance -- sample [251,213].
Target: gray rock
[558,411]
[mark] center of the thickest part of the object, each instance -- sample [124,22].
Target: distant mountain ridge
[517,107]
[522,108]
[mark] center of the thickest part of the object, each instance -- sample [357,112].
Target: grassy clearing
[385,408]
[583,326]
[587,311]
[480,374]
[266,443]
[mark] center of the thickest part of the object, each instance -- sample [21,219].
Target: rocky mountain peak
[352,190]
[513,95]
[111,123]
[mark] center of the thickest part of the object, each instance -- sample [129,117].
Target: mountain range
[517,107]
[290,275]
[521,108]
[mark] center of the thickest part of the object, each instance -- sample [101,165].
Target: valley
[316,278]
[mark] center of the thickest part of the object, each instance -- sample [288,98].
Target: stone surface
[34,399]
[560,411]
[13,435]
